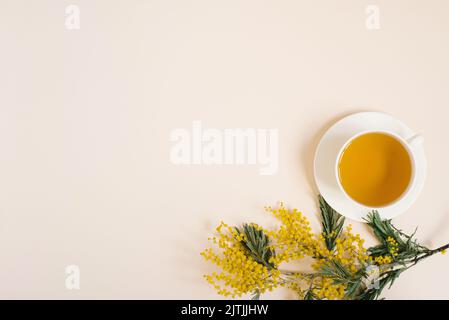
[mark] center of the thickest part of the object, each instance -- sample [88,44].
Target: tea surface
[375,169]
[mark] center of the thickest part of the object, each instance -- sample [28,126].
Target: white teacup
[406,143]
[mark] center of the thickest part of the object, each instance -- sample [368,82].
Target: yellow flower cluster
[240,272]
[393,246]
[381,260]
[349,250]
[326,289]
[294,239]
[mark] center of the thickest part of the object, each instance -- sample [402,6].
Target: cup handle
[415,139]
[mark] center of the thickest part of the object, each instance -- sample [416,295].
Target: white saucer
[327,151]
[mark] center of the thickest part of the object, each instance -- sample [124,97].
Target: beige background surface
[85,119]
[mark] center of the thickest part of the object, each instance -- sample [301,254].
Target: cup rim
[406,147]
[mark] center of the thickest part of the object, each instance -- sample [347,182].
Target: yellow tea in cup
[375,169]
